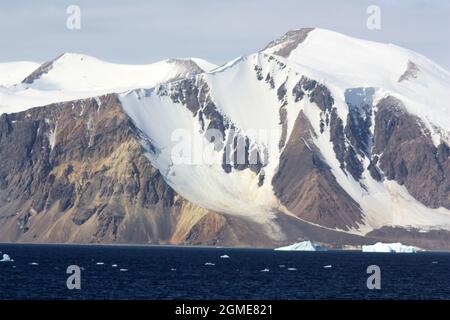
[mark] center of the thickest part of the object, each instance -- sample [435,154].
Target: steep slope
[343,62]
[388,123]
[75,172]
[79,172]
[14,72]
[321,143]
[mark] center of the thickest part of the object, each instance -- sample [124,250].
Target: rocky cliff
[76,172]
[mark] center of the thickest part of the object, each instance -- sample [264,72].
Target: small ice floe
[209,264]
[6,258]
[292,269]
[328,266]
[123,270]
[114,266]
[225,256]
[282,266]
[34,263]
[100,263]
[434,262]
[265,270]
[14,267]
[173,269]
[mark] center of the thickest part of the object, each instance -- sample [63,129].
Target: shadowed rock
[409,156]
[289,41]
[411,72]
[307,188]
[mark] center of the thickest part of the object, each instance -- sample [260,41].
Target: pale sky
[136,31]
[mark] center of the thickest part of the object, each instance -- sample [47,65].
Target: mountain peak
[288,42]
[80,72]
[197,65]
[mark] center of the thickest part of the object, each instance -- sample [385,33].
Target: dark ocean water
[181,273]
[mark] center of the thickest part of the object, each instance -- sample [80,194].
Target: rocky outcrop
[289,41]
[397,145]
[411,72]
[317,93]
[238,151]
[307,188]
[409,156]
[43,69]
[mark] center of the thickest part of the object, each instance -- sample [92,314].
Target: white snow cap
[14,72]
[346,62]
[79,72]
[73,76]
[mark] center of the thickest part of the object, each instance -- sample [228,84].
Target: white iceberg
[225,256]
[389,247]
[301,246]
[209,264]
[6,258]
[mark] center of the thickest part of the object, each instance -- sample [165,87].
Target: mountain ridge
[352,153]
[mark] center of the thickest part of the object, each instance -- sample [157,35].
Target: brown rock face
[306,187]
[76,172]
[290,41]
[400,149]
[43,69]
[409,156]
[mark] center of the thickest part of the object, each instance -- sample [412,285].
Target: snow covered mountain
[77,72]
[75,76]
[14,72]
[319,137]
